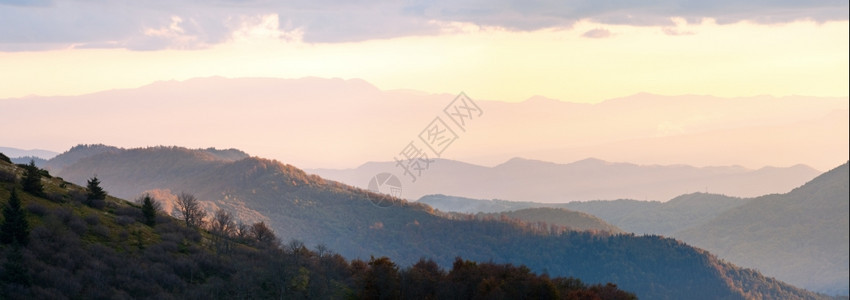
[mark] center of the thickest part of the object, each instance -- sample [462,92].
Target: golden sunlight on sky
[587,62]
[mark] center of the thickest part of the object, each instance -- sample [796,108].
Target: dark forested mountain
[543,216]
[474,206]
[79,152]
[641,217]
[316,211]
[663,218]
[525,211]
[56,245]
[589,179]
[799,237]
[76,153]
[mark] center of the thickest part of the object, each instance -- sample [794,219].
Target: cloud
[598,33]
[150,25]
[675,32]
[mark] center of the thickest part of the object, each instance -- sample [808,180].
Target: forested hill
[801,236]
[316,211]
[543,216]
[61,241]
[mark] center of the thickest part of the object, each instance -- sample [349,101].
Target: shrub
[128,211]
[77,225]
[7,176]
[100,230]
[92,220]
[124,220]
[63,214]
[37,209]
[55,197]
[77,196]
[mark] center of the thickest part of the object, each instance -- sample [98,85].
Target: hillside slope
[73,251]
[800,237]
[316,211]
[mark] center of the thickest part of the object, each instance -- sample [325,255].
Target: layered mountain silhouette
[21,156]
[588,179]
[800,236]
[306,121]
[39,153]
[318,211]
[542,216]
[57,245]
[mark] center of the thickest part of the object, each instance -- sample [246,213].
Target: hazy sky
[580,51]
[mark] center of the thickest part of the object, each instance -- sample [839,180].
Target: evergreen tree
[14,269]
[32,180]
[14,228]
[96,195]
[149,210]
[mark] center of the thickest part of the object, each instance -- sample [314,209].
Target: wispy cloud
[598,33]
[675,32]
[150,25]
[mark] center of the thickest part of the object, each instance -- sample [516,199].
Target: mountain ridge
[67,248]
[812,218]
[320,211]
[800,236]
[522,179]
[663,130]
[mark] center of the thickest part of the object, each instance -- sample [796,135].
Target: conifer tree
[149,210]
[15,228]
[32,180]
[96,195]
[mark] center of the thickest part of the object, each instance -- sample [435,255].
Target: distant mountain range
[318,211]
[800,236]
[15,152]
[307,121]
[589,179]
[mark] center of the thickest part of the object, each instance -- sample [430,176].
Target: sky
[577,51]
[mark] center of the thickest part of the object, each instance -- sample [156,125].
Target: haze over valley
[570,149]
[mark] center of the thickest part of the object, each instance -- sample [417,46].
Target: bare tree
[222,228]
[263,235]
[190,210]
[242,231]
[322,250]
[222,223]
